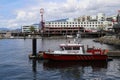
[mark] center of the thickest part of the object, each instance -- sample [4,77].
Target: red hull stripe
[74,57]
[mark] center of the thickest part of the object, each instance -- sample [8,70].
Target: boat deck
[70,52]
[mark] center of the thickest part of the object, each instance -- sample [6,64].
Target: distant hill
[7,29]
[4,29]
[17,30]
[60,20]
[36,24]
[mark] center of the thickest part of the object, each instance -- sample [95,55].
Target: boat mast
[78,37]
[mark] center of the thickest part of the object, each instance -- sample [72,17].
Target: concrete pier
[111,40]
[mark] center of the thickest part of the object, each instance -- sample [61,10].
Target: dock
[38,56]
[113,53]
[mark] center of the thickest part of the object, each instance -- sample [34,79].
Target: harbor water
[15,64]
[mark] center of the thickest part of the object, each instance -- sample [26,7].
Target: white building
[27,28]
[93,18]
[89,23]
[101,17]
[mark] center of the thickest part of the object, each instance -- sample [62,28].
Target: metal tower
[42,22]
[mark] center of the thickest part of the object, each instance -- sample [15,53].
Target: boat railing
[49,51]
[94,50]
[73,51]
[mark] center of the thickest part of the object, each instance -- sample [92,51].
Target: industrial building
[72,25]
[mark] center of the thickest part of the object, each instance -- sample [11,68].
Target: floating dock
[38,56]
[113,53]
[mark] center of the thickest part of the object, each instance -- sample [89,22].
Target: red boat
[75,52]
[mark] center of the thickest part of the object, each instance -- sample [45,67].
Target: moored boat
[74,51]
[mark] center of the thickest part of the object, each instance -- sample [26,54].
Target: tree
[101,28]
[32,29]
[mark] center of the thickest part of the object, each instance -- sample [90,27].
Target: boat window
[76,48]
[68,48]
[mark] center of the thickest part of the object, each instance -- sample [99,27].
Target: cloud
[76,8]
[25,15]
[22,18]
[1,17]
[57,10]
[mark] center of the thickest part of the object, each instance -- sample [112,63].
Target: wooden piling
[34,48]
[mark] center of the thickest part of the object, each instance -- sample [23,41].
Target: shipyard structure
[71,26]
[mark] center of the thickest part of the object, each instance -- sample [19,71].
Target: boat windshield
[72,48]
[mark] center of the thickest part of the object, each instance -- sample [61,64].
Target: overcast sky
[15,13]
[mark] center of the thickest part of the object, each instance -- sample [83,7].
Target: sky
[16,13]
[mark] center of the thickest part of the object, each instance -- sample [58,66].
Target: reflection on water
[34,64]
[71,70]
[66,64]
[75,70]
[34,68]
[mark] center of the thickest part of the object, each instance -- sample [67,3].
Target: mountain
[60,20]
[4,29]
[7,29]
[17,30]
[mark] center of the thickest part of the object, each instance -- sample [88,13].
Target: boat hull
[71,57]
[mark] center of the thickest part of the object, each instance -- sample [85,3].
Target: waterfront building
[101,17]
[8,35]
[73,25]
[0,36]
[27,28]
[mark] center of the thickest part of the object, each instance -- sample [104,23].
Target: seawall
[111,40]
